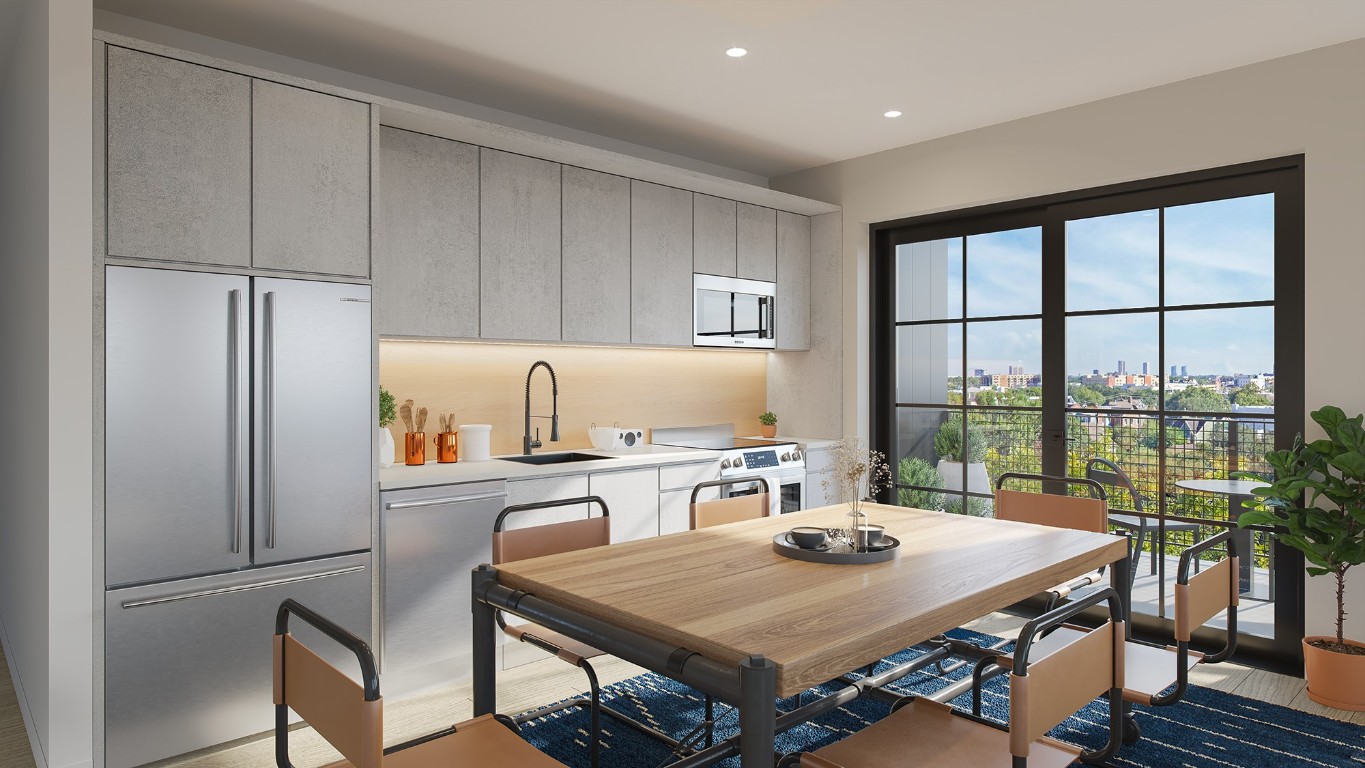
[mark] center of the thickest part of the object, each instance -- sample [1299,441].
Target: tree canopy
[1197,399]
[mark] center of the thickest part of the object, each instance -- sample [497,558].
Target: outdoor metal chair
[1106,472]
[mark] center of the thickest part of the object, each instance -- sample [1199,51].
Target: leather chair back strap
[1060,684]
[330,702]
[1079,513]
[732,510]
[1210,592]
[550,539]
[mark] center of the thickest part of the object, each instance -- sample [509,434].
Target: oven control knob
[786,457]
[725,464]
[796,455]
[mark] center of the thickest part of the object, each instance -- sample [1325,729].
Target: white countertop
[432,473]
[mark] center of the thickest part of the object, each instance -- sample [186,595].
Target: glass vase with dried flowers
[858,474]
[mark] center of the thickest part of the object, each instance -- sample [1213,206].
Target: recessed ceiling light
[892,113]
[736,52]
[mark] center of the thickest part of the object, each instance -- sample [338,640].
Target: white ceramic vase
[386,447]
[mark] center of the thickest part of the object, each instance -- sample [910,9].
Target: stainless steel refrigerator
[238,463]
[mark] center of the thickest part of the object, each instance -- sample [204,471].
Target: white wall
[46,543]
[1311,103]
[24,374]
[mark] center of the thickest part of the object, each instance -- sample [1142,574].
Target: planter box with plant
[1317,501]
[953,452]
[768,420]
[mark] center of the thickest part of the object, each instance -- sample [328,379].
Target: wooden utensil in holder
[447,447]
[415,449]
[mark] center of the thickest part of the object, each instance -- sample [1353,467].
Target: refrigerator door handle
[395,505]
[235,392]
[269,333]
[240,588]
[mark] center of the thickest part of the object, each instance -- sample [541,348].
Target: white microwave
[731,312]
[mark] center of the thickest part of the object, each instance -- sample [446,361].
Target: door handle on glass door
[269,355]
[235,309]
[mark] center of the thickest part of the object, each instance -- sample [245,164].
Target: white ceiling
[819,75]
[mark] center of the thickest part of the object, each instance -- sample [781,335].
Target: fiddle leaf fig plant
[1317,500]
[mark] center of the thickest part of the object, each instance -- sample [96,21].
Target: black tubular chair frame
[728,481]
[1113,474]
[1182,647]
[369,677]
[1038,627]
[1096,491]
[593,702]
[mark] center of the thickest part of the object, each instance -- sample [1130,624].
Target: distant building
[979,372]
[1122,369]
[1184,371]
[1175,371]
[1144,369]
[1014,380]
[1095,372]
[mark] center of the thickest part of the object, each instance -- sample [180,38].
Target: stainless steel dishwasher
[430,540]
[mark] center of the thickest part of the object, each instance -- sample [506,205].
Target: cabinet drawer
[818,460]
[684,476]
[540,489]
[188,663]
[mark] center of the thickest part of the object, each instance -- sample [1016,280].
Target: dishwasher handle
[397,505]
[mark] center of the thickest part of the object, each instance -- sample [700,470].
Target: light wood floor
[549,680]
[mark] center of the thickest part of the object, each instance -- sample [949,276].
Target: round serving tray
[889,549]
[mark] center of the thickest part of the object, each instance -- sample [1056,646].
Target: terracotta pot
[1334,679]
[768,430]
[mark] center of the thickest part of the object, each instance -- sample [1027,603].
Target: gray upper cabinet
[519,255]
[660,265]
[596,257]
[311,185]
[713,235]
[179,160]
[426,255]
[793,281]
[756,242]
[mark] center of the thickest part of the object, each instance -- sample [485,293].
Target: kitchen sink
[556,458]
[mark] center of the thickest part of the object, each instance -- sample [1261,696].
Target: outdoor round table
[1236,491]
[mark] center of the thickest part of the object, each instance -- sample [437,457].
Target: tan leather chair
[351,716]
[510,545]
[1074,512]
[1044,692]
[1151,669]
[705,514]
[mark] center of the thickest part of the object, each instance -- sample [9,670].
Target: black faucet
[526,442]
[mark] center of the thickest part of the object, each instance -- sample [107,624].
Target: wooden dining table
[718,609]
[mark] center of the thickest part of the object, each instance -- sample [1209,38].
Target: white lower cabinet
[821,490]
[633,497]
[542,489]
[675,513]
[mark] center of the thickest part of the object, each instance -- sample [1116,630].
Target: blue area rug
[1209,729]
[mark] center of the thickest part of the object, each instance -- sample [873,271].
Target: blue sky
[1220,251]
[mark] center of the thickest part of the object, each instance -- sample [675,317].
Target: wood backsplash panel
[485,384]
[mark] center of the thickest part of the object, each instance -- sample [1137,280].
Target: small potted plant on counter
[1317,500]
[388,411]
[768,420]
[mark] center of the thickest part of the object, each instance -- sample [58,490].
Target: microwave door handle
[765,317]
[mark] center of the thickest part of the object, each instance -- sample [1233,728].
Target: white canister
[475,442]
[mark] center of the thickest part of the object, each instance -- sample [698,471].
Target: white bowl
[603,438]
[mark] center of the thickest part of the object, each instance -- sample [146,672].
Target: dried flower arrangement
[858,473]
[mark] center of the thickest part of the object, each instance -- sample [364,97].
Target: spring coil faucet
[526,442]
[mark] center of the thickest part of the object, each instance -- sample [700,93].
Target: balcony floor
[1255,613]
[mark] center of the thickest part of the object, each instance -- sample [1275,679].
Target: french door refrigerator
[238,462]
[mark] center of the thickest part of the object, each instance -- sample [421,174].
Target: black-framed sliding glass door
[1155,327]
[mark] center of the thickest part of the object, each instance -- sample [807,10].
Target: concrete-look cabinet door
[632,497]
[596,257]
[660,265]
[755,242]
[519,258]
[793,281]
[675,509]
[311,181]
[713,235]
[426,253]
[179,160]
